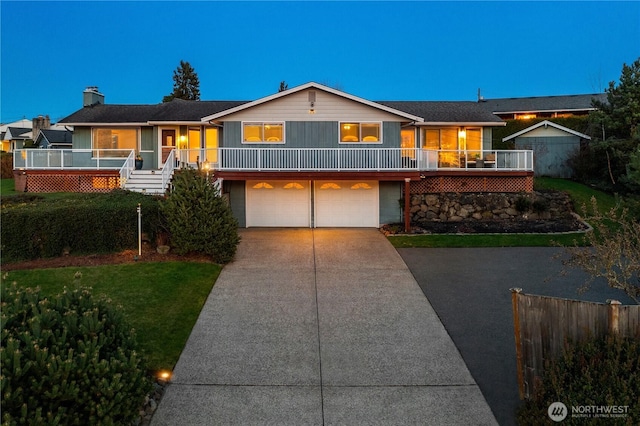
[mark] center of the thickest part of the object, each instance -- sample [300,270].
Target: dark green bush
[82,223]
[69,359]
[522,204]
[540,205]
[199,219]
[598,372]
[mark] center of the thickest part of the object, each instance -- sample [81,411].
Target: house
[309,156]
[552,144]
[542,106]
[54,139]
[8,142]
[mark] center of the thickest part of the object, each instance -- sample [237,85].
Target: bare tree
[614,252]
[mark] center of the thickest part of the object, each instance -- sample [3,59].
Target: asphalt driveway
[469,290]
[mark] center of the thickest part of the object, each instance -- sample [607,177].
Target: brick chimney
[91,96]
[38,124]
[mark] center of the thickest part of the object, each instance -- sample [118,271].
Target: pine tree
[198,218]
[185,84]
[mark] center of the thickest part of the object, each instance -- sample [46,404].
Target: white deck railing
[71,159]
[286,159]
[127,168]
[371,159]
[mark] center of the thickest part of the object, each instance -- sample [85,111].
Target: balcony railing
[288,159]
[71,159]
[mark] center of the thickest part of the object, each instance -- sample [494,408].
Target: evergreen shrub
[597,372]
[198,219]
[80,223]
[69,359]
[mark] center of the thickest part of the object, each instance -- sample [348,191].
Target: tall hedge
[34,227]
[69,359]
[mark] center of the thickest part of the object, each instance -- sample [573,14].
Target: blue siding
[390,194]
[310,134]
[550,154]
[237,200]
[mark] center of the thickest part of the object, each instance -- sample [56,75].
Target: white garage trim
[339,203]
[278,203]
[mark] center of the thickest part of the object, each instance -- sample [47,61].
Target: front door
[168,143]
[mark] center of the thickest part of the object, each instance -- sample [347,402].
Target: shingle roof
[176,110]
[181,110]
[542,103]
[19,132]
[57,136]
[445,111]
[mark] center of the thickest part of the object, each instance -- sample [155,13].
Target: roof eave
[463,123]
[314,85]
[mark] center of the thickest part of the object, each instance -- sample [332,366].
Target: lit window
[262,185]
[360,132]
[293,185]
[114,142]
[263,132]
[361,185]
[330,185]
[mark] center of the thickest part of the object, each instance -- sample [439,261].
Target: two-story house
[310,156]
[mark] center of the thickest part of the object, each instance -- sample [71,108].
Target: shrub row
[69,359]
[34,227]
[598,372]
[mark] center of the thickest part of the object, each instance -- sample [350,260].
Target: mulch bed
[149,254]
[492,227]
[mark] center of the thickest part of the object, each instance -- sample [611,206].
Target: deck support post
[407,205]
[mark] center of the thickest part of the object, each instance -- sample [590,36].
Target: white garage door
[346,204]
[278,203]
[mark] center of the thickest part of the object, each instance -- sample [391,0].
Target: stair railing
[168,168]
[127,168]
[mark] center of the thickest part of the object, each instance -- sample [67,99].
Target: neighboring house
[54,139]
[552,145]
[17,137]
[542,106]
[310,156]
[8,144]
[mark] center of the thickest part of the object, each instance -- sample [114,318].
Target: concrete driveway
[469,289]
[313,327]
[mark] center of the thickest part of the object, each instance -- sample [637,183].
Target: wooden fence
[543,325]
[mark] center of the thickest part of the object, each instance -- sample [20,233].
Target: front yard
[161,300]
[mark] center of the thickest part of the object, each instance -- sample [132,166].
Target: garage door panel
[278,203]
[346,204]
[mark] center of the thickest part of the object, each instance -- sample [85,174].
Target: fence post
[614,313]
[516,327]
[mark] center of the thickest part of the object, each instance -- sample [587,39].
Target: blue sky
[417,50]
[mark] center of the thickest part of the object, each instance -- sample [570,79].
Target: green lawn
[580,194]
[7,187]
[161,300]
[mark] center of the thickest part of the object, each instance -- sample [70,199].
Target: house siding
[237,200]
[148,147]
[487,134]
[550,154]
[82,137]
[390,193]
[327,107]
[311,134]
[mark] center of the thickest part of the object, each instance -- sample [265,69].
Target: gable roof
[447,112]
[542,103]
[546,123]
[312,85]
[180,111]
[17,133]
[55,136]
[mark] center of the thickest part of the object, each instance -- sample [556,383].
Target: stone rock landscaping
[468,213]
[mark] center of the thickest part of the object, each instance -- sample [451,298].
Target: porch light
[462,134]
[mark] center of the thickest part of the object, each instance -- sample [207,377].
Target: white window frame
[93,148]
[263,124]
[359,123]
